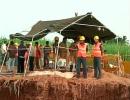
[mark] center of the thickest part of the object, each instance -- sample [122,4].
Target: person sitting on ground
[12,50]
[46,51]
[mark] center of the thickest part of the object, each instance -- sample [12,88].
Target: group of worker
[77,55]
[97,53]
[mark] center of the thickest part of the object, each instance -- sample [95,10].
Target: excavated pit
[109,87]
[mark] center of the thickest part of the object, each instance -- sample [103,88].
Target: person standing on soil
[4,51]
[73,50]
[31,57]
[16,57]
[0,56]
[37,55]
[55,45]
[81,56]
[41,60]
[26,56]
[55,48]
[97,53]
[47,51]
[63,52]
[12,50]
[21,52]
[62,48]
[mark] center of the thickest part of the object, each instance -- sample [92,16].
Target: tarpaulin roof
[86,25]
[53,26]
[27,37]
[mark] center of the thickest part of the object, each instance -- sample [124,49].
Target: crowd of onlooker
[33,56]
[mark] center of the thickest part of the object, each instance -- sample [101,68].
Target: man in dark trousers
[97,53]
[21,53]
[31,57]
[81,56]
[46,50]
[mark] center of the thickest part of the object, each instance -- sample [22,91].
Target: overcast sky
[19,15]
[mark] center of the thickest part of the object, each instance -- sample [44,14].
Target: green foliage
[122,47]
[40,41]
[122,39]
[2,40]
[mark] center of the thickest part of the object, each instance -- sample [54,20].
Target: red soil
[109,87]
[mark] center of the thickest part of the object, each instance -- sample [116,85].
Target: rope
[60,47]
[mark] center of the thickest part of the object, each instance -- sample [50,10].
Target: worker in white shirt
[4,51]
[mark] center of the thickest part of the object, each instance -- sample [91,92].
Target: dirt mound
[67,75]
[109,87]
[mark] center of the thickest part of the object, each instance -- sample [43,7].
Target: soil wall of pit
[110,87]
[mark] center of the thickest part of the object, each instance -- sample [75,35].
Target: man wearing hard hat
[97,53]
[81,56]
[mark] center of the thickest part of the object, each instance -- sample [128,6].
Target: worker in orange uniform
[81,56]
[97,53]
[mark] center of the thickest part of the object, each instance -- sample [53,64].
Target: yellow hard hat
[82,38]
[96,37]
[16,44]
